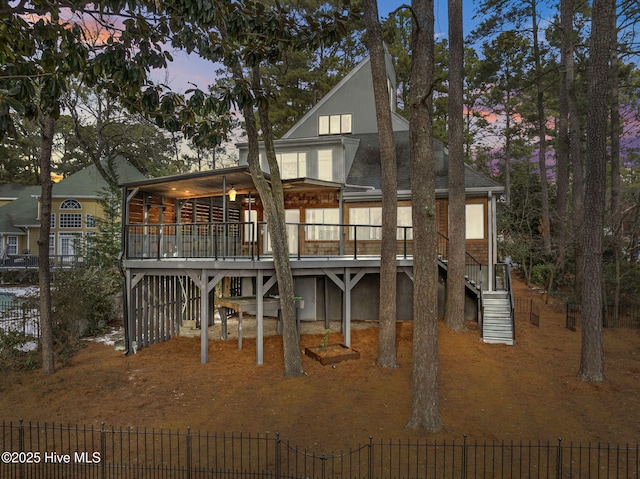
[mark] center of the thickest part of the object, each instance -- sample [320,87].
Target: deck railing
[248,240]
[30,261]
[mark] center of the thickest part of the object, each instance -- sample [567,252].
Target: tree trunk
[562,157]
[542,134]
[616,213]
[455,296]
[507,152]
[388,268]
[592,352]
[272,198]
[575,136]
[273,202]
[44,272]
[425,405]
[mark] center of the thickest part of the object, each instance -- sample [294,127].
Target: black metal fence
[20,315]
[48,451]
[628,317]
[527,310]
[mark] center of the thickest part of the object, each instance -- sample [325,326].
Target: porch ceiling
[211,183]
[196,185]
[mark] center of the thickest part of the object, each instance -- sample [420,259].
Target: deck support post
[130,327]
[259,318]
[204,318]
[347,307]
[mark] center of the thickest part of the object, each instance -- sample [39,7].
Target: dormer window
[335,124]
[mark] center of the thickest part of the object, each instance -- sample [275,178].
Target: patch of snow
[110,338]
[20,291]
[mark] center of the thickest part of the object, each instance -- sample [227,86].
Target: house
[185,234]
[74,210]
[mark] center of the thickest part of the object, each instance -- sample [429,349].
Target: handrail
[473,267]
[508,287]
[510,293]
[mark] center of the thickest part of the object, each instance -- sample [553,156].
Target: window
[68,244]
[325,165]
[91,243]
[52,220]
[292,165]
[52,244]
[12,245]
[90,221]
[335,124]
[404,219]
[373,216]
[474,221]
[292,218]
[365,216]
[250,232]
[70,220]
[320,219]
[70,205]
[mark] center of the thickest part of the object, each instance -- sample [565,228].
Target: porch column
[341,213]
[491,245]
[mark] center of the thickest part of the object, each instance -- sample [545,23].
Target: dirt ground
[524,392]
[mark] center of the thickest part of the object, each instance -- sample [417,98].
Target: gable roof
[86,183]
[23,211]
[365,170]
[353,94]
[12,192]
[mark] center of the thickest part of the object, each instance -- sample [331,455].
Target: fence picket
[143,453]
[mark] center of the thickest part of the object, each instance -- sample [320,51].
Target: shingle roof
[89,182]
[23,211]
[365,169]
[12,191]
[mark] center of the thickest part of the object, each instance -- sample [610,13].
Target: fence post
[103,451]
[189,461]
[464,457]
[370,458]
[21,446]
[278,469]
[559,459]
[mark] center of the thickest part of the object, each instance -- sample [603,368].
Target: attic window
[70,205]
[335,124]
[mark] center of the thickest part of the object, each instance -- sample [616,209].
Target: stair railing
[472,267]
[503,270]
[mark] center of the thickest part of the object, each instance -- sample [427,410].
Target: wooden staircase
[495,315]
[497,318]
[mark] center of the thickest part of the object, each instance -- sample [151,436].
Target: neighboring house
[185,234]
[74,210]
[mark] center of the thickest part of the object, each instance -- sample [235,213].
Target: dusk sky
[187,70]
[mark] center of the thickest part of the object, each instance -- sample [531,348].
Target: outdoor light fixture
[232,194]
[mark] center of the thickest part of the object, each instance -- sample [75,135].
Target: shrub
[83,300]
[19,276]
[13,353]
[540,274]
